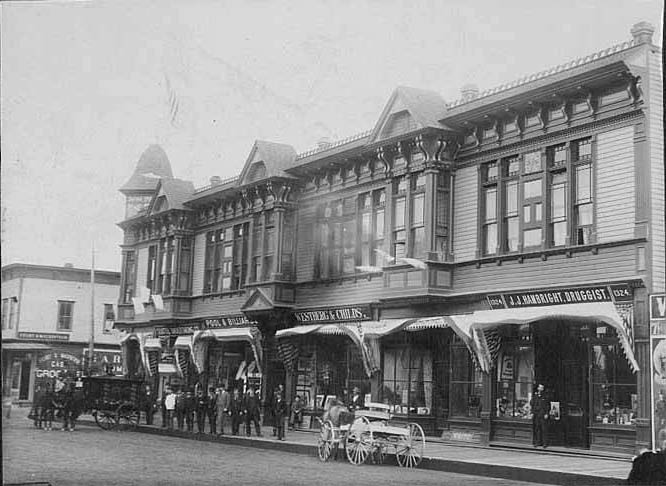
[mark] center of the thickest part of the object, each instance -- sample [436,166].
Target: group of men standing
[220,409]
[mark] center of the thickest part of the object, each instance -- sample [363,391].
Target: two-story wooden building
[444,262]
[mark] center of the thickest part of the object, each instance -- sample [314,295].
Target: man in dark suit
[211,411]
[356,402]
[540,409]
[236,410]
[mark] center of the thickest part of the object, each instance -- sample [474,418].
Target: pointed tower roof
[153,165]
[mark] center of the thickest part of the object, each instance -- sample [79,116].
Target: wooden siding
[615,184]
[198,263]
[656,137]
[465,214]
[141,268]
[349,292]
[608,264]
[218,306]
[305,243]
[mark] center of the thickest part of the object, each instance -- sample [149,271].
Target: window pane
[558,202]
[527,212]
[559,233]
[583,183]
[379,224]
[512,234]
[491,171]
[537,211]
[532,237]
[399,213]
[585,215]
[418,242]
[417,209]
[490,238]
[511,198]
[491,205]
[366,219]
[532,189]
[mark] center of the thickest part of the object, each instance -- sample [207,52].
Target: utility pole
[91,345]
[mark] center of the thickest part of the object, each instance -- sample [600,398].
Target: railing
[332,145]
[221,183]
[542,74]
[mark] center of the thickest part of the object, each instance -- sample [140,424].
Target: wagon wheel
[358,442]
[410,447]
[104,419]
[325,441]
[128,417]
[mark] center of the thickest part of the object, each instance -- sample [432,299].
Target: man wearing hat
[357,400]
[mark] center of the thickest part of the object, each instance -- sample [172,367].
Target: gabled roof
[276,157]
[152,166]
[176,192]
[424,107]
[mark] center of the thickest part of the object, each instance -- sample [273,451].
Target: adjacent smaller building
[46,326]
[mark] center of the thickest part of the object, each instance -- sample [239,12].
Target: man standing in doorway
[540,409]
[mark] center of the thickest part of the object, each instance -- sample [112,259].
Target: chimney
[323,143]
[642,32]
[469,92]
[215,180]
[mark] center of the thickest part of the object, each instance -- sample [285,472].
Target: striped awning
[378,328]
[183,342]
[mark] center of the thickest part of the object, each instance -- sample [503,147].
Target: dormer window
[161,204]
[257,171]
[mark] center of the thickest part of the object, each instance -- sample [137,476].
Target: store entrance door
[561,364]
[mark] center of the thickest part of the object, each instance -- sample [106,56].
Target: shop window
[407,381]
[129,277]
[466,382]
[65,312]
[614,386]
[109,317]
[515,374]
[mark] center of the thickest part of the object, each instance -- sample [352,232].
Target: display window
[514,380]
[466,382]
[614,387]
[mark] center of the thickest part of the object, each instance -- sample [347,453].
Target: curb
[514,473]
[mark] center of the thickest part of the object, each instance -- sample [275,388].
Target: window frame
[61,315]
[106,329]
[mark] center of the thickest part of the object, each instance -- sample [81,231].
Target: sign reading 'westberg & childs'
[336,314]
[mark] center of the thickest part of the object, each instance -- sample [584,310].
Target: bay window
[129,277]
[417,220]
[379,211]
[152,268]
[399,233]
[184,262]
[583,203]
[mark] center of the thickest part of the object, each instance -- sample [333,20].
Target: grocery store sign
[572,295]
[335,314]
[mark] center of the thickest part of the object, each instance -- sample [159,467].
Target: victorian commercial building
[47,326]
[444,262]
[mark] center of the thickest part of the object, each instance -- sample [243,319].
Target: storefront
[578,343]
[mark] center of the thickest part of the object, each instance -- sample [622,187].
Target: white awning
[373,329]
[152,344]
[183,342]
[599,311]
[232,334]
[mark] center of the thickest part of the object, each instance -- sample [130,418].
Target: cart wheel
[409,449]
[358,443]
[128,418]
[325,441]
[104,420]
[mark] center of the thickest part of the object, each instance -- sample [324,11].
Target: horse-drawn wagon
[114,402]
[368,434]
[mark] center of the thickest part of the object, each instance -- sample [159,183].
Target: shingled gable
[409,109]
[152,166]
[174,191]
[266,160]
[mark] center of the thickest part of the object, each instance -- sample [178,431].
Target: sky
[87,86]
